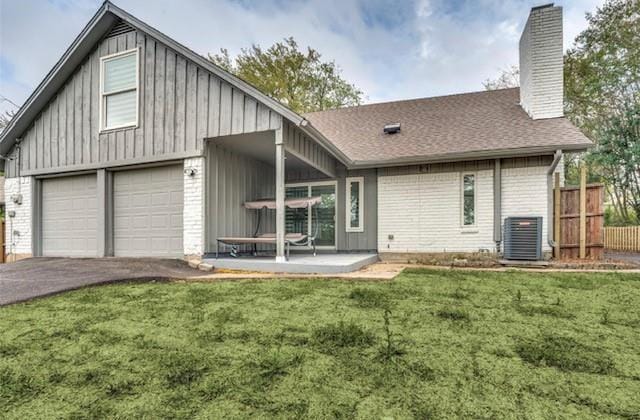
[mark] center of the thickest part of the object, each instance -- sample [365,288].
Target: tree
[5,119]
[508,78]
[602,97]
[299,79]
[602,93]
[617,159]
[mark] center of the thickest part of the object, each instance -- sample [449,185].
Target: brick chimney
[541,61]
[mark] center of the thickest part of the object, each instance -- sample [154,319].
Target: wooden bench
[265,238]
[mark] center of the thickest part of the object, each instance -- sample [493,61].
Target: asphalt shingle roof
[445,125]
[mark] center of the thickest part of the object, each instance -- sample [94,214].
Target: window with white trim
[119,90]
[355,204]
[468,199]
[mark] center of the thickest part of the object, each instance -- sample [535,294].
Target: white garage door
[69,216]
[148,212]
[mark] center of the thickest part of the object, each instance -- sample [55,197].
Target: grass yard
[431,344]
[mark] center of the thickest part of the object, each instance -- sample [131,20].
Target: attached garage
[147,211]
[69,210]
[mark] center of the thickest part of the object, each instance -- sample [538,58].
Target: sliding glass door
[321,220]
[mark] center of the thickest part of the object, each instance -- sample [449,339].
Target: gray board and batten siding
[367,240]
[232,179]
[181,104]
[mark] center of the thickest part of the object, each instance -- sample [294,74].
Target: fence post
[583,212]
[556,215]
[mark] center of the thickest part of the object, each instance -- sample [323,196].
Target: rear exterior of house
[133,145]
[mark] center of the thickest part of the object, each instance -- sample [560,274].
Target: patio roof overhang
[261,147]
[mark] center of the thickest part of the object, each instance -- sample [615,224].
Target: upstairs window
[468,200]
[119,90]
[355,204]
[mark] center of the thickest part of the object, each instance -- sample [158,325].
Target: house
[134,145]
[2,200]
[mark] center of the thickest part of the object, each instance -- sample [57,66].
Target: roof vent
[392,128]
[120,28]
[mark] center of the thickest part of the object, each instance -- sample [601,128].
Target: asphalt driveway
[628,257]
[37,277]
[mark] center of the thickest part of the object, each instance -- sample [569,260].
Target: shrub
[566,354]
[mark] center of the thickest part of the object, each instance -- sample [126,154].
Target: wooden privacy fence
[578,220]
[625,238]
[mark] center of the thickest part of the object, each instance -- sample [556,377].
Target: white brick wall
[193,213]
[524,193]
[541,61]
[18,228]
[423,213]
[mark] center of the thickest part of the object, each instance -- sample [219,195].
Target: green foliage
[297,78]
[554,311]
[182,368]
[617,157]
[342,335]
[138,351]
[392,347]
[602,69]
[565,353]
[369,298]
[275,364]
[602,89]
[614,218]
[602,97]
[453,314]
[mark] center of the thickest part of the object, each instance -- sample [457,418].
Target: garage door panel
[148,212]
[69,216]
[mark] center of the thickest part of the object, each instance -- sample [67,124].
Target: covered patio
[272,203]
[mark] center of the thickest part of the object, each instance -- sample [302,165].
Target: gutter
[472,155]
[550,222]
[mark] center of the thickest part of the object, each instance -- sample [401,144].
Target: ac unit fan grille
[523,238]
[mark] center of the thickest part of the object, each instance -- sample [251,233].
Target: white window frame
[103,96]
[347,198]
[475,200]
[309,186]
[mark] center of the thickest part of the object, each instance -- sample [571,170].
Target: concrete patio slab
[298,263]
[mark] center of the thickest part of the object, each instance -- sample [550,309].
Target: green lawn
[431,344]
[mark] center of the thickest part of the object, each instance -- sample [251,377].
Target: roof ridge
[477,92]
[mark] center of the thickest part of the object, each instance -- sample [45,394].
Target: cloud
[390,49]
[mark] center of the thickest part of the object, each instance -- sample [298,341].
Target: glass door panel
[326,215]
[297,220]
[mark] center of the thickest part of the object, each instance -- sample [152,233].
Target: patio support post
[280,210]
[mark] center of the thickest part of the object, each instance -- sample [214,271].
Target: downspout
[497,204]
[550,222]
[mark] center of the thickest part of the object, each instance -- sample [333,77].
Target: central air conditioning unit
[523,238]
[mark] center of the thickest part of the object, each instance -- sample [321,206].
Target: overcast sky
[390,49]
